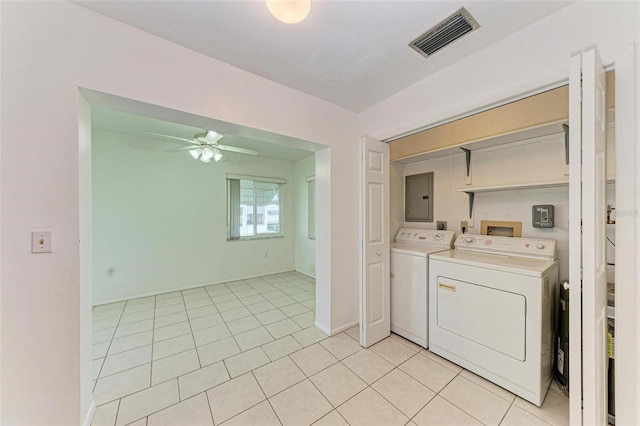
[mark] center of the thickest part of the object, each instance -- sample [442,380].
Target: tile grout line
[104,360]
[116,330]
[193,337]
[117,411]
[451,402]
[232,336]
[397,367]
[266,398]
[506,412]
[153,342]
[206,394]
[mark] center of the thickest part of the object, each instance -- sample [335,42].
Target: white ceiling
[137,126]
[351,53]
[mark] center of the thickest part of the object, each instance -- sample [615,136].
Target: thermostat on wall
[542,216]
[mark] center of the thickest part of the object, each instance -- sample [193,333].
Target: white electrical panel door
[409,297]
[490,317]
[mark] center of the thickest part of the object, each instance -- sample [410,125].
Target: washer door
[487,316]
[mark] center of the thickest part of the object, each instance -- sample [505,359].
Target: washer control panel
[534,248]
[425,236]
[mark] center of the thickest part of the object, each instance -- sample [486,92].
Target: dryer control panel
[425,236]
[532,248]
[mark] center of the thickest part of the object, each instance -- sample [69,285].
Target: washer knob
[469,240]
[539,246]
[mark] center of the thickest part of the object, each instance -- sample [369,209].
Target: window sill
[257,237]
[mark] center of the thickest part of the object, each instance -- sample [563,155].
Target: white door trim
[575,239]
[627,351]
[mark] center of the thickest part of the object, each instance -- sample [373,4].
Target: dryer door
[487,316]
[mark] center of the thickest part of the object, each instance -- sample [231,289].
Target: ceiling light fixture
[289,11]
[207,154]
[195,153]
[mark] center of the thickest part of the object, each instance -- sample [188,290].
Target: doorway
[149,162]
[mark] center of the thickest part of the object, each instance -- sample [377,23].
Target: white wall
[305,248]
[520,63]
[515,163]
[49,51]
[160,219]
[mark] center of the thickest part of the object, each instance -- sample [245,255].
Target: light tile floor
[247,353]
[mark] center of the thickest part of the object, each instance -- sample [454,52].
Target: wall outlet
[464,226]
[111,272]
[441,225]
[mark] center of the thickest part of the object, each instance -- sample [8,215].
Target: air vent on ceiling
[444,33]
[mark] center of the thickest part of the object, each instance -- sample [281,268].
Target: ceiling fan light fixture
[289,11]
[195,153]
[217,155]
[207,153]
[205,160]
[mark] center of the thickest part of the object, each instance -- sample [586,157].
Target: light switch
[41,241]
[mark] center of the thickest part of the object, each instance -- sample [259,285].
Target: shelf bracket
[471,195]
[566,143]
[468,155]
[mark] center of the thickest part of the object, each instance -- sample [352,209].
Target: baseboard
[189,287]
[305,274]
[343,328]
[89,418]
[322,328]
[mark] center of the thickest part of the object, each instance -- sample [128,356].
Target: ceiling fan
[205,147]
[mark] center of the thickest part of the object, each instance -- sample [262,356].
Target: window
[253,207]
[311,203]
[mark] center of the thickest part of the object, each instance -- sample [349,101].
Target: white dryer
[409,275]
[492,310]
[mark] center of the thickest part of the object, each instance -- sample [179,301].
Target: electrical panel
[418,201]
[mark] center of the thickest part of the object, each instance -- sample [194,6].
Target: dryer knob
[469,240]
[540,246]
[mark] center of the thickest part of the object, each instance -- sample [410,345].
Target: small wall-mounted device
[542,216]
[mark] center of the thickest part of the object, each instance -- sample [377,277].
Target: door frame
[623,60]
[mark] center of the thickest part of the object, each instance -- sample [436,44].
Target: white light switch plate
[41,241]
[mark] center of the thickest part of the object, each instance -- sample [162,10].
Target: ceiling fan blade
[191,141]
[182,148]
[236,149]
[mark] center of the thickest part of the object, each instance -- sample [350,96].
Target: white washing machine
[409,274]
[492,304]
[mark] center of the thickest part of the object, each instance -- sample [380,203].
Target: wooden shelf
[514,186]
[472,190]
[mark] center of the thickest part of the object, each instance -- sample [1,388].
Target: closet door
[587,273]
[375,319]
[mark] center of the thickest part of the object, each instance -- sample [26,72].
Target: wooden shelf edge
[515,186]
